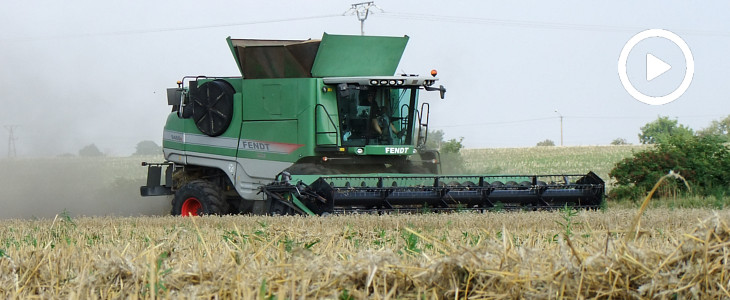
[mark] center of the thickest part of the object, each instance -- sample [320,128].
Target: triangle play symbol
[655,67]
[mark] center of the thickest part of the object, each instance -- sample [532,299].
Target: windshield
[375,115]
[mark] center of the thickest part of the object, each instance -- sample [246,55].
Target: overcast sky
[81,72]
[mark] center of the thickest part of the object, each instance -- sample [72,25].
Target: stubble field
[533,255]
[49,248]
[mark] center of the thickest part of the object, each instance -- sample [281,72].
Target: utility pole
[561,127]
[362,10]
[11,141]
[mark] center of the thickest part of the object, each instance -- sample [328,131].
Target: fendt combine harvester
[324,126]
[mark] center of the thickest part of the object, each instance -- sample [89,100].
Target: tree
[661,129]
[90,151]
[620,141]
[721,129]
[147,148]
[546,142]
[452,146]
[435,139]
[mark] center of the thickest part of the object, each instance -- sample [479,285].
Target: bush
[148,148]
[546,142]
[90,151]
[703,161]
[620,141]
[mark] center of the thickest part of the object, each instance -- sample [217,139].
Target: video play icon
[655,67]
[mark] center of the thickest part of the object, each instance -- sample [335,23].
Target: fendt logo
[393,150]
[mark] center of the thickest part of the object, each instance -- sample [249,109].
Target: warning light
[179,83]
[434,72]
[324,158]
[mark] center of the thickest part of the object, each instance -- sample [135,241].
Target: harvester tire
[213,107]
[199,197]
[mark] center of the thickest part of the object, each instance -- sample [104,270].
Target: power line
[496,123]
[537,24]
[170,29]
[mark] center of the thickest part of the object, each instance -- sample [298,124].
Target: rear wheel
[199,197]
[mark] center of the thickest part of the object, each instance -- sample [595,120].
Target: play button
[655,67]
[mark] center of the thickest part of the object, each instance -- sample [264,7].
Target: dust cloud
[105,186]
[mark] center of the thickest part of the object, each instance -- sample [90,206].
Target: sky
[80,72]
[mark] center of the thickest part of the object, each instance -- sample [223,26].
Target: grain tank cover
[332,56]
[274,58]
[343,55]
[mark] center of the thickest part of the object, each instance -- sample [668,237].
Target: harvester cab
[306,122]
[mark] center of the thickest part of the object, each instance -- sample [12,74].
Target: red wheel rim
[190,207]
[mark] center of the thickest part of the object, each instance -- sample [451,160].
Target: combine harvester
[324,126]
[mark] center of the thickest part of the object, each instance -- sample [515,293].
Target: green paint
[342,55]
[303,207]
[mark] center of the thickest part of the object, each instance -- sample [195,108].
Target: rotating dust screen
[213,107]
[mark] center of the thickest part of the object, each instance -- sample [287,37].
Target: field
[548,160]
[70,235]
[533,255]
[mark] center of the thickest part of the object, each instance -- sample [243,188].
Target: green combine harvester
[324,126]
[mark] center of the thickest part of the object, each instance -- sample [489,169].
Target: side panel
[278,119]
[276,130]
[270,140]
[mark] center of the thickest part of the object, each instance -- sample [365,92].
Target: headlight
[360,151]
[373,82]
[384,82]
[391,82]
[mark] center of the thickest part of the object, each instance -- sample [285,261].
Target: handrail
[316,129]
[404,120]
[425,111]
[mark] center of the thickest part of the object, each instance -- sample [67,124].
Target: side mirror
[343,90]
[173,96]
[441,89]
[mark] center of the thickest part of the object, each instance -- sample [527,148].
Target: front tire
[199,197]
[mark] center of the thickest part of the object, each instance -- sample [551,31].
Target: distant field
[548,160]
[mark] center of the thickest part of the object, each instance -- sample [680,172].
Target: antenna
[362,10]
[11,141]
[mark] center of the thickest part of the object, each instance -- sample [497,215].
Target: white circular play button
[656,67]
